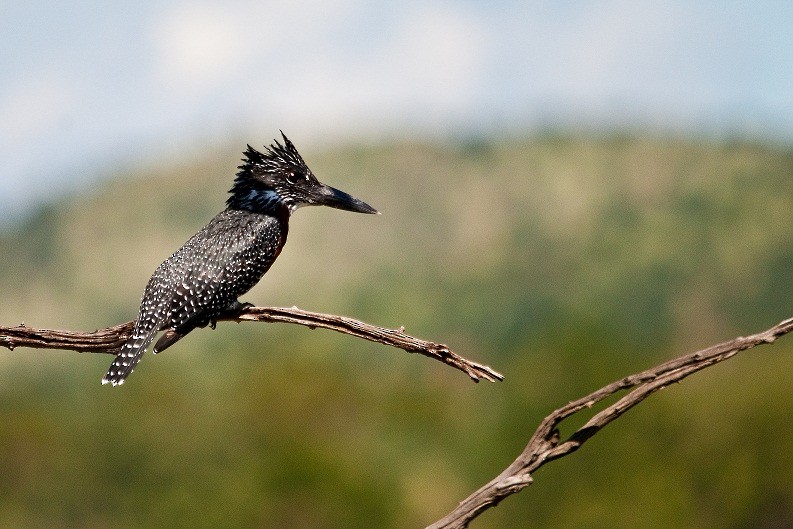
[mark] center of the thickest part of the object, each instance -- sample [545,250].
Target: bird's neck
[252,206]
[261,201]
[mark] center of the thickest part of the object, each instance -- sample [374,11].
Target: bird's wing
[220,266]
[205,284]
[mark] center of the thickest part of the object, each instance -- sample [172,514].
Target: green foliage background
[562,261]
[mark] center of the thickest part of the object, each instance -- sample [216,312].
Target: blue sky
[85,84]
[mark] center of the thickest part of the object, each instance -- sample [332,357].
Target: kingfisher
[226,258]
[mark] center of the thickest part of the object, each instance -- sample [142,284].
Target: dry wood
[546,445]
[111,339]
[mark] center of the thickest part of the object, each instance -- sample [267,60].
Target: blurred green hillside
[564,262]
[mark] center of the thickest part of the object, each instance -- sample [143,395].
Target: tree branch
[545,445]
[111,339]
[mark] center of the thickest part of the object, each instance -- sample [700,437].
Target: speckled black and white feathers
[202,279]
[223,261]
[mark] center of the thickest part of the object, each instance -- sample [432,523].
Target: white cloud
[197,46]
[33,107]
[425,65]
[438,57]
[618,45]
[213,45]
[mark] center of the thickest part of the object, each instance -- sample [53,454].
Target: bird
[226,258]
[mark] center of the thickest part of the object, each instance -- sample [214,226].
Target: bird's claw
[240,307]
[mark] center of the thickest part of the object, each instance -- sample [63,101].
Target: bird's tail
[130,355]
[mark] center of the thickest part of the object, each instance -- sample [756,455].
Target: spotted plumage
[226,258]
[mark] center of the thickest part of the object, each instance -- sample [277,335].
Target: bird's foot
[234,309]
[240,307]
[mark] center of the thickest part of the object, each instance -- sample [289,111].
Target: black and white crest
[263,176]
[276,159]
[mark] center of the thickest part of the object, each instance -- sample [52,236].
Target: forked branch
[546,444]
[111,339]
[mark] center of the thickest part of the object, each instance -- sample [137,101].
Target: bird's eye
[293,177]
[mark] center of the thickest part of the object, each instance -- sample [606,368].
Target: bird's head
[279,178]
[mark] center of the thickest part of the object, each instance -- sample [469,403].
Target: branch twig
[111,339]
[545,445]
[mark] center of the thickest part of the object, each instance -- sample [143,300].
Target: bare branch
[545,445]
[111,339]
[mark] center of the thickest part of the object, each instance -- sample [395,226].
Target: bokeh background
[571,192]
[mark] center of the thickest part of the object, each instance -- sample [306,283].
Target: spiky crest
[255,184]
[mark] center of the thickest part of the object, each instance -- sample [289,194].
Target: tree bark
[111,339]
[545,445]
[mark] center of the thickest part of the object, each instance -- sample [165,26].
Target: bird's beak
[329,196]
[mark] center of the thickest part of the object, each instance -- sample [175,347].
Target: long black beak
[330,196]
